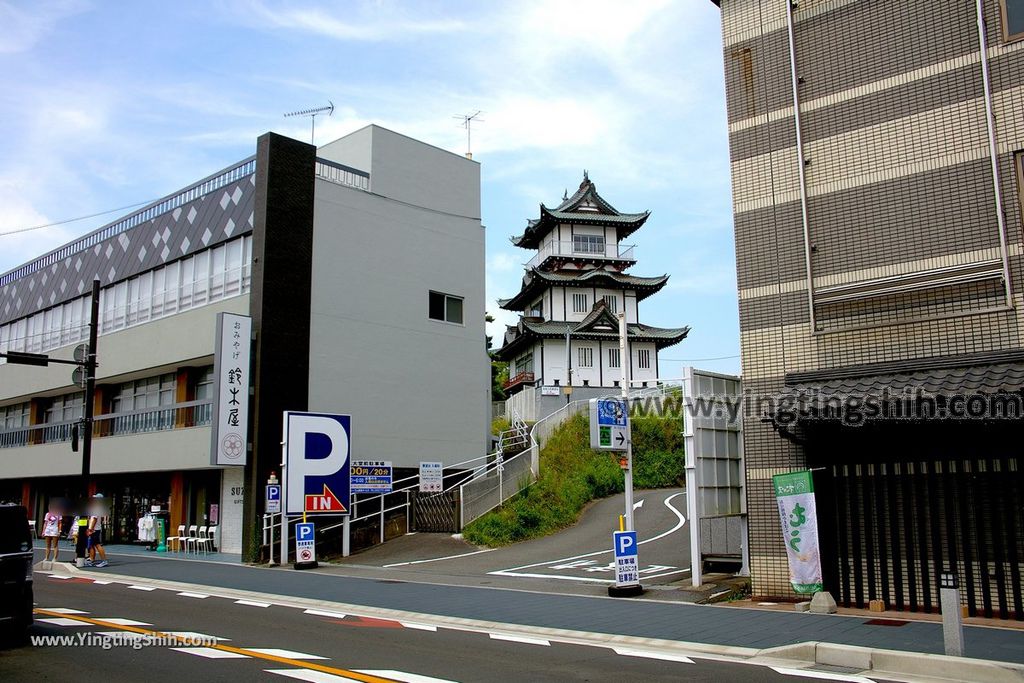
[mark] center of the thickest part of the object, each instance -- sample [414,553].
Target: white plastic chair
[190,537]
[205,539]
[176,539]
[198,538]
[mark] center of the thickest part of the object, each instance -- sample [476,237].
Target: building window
[588,244]
[1013,19]
[579,303]
[613,358]
[585,355]
[612,302]
[446,308]
[537,310]
[524,364]
[14,417]
[643,359]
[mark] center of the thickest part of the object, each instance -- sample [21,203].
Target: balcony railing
[164,418]
[521,378]
[621,252]
[340,174]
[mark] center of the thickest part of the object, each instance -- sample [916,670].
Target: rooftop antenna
[467,121]
[311,113]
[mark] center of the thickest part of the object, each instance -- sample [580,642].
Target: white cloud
[25,24]
[364,22]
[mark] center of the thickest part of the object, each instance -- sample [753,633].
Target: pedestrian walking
[95,531]
[51,532]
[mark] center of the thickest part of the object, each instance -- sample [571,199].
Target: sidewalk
[116,550]
[732,630]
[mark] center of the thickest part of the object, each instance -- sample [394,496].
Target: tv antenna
[467,123]
[311,113]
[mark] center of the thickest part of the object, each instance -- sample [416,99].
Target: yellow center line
[187,640]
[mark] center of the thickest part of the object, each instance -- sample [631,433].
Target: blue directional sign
[609,424]
[273,500]
[317,463]
[627,566]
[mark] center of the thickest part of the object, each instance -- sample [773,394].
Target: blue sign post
[305,546]
[627,566]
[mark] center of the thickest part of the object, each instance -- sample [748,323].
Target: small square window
[1013,19]
[579,303]
[445,307]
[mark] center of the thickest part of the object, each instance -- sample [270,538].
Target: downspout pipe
[800,163]
[994,152]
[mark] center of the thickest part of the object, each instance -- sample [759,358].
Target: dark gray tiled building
[876,167]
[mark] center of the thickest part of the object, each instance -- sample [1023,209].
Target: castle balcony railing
[523,378]
[583,250]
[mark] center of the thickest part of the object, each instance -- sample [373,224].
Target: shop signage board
[371,476]
[230,432]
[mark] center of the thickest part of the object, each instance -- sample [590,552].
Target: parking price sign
[627,568]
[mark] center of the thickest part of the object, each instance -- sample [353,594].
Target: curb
[868,659]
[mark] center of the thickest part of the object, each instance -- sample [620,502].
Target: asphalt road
[263,641]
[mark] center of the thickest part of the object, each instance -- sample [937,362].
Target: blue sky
[108,104]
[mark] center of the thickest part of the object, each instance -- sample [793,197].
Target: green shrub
[572,475]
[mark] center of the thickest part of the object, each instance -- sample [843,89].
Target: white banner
[231,390]
[795,494]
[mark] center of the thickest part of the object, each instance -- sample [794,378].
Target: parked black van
[16,600]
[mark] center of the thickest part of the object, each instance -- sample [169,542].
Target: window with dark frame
[445,308]
[1013,19]
[643,358]
[588,244]
[613,358]
[586,357]
[580,303]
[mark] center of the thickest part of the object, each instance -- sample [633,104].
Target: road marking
[59,577]
[290,654]
[117,621]
[513,571]
[252,603]
[639,504]
[64,610]
[438,559]
[62,621]
[194,635]
[307,675]
[519,639]
[102,583]
[322,613]
[210,652]
[403,676]
[418,627]
[652,655]
[825,675]
[344,674]
[197,596]
[143,588]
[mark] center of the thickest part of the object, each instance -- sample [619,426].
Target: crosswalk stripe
[519,639]
[62,621]
[210,653]
[322,613]
[665,656]
[198,596]
[64,610]
[143,588]
[289,654]
[418,627]
[308,675]
[252,603]
[403,676]
[123,622]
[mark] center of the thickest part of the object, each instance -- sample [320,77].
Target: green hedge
[572,475]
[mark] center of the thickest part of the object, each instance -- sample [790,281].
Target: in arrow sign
[620,438]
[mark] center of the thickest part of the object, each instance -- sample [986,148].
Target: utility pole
[624,364]
[89,368]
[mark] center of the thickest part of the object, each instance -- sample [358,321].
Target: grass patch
[572,475]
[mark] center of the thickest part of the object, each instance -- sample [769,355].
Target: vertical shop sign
[795,494]
[231,390]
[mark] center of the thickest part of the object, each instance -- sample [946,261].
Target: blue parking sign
[625,543]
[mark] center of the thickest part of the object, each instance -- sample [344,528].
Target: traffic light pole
[89,366]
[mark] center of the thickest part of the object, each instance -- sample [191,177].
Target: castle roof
[584,207]
[536,281]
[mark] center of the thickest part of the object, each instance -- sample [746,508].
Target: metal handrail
[611,250]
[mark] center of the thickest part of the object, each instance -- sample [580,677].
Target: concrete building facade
[876,169]
[335,254]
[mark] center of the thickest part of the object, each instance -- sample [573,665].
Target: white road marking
[418,627]
[508,572]
[438,559]
[60,577]
[519,639]
[513,571]
[124,622]
[639,504]
[402,676]
[252,603]
[123,635]
[61,621]
[143,588]
[198,596]
[824,675]
[210,653]
[194,635]
[652,655]
[63,610]
[288,654]
[322,613]
[102,583]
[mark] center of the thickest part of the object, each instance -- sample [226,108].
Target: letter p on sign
[316,460]
[625,543]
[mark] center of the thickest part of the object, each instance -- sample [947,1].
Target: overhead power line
[73,220]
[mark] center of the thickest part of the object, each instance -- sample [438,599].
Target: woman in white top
[51,531]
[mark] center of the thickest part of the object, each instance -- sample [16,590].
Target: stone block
[802,606]
[877,606]
[823,603]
